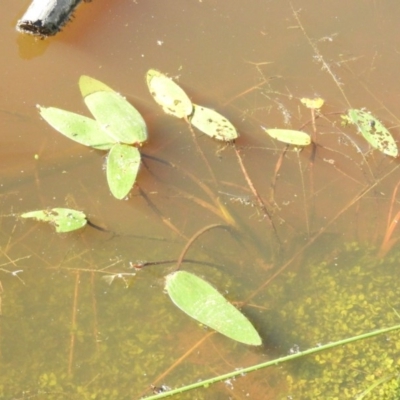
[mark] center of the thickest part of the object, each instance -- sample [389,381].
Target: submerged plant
[63,219]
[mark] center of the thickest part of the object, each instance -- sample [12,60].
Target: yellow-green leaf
[89,85]
[373,131]
[205,304]
[169,95]
[123,164]
[213,124]
[64,219]
[297,138]
[119,119]
[77,127]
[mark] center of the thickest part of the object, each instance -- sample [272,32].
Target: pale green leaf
[296,138]
[373,131]
[201,301]
[168,94]
[213,124]
[77,127]
[64,219]
[119,119]
[89,85]
[123,163]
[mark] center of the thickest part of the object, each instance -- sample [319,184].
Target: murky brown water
[64,331]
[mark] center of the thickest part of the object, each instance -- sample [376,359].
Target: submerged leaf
[213,124]
[119,119]
[123,163]
[168,94]
[89,85]
[77,127]
[313,103]
[373,131]
[297,138]
[64,219]
[201,301]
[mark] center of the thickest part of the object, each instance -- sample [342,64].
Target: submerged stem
[260,202]
[192,240]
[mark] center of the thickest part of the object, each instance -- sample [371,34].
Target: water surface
[67,333]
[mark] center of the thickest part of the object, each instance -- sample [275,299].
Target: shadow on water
[313,265]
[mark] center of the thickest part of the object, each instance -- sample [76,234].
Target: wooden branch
[46,17]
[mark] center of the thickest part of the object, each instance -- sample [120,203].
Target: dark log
[46,17]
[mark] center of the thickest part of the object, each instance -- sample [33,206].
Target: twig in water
[391,224]
[165,220]
[319,57]
[278,166]
[260,202]
[192,240]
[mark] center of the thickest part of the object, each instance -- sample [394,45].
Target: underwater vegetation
[354,292]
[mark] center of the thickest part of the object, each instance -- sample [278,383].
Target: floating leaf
[168,94]
[89,85]
[64,219]
[373,131]
[313,103]
[201,301]
[213,124]
[77,127]
[123,163]
[119,119]
[297,138]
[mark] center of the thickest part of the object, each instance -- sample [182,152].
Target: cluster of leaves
[118,127]
[293,137]
[174,101]
[370,127]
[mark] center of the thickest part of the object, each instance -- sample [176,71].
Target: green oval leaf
[201,301]
[89,85]
[119,119]
[297,138]
[122,168]
[168,94]
[64,219]
[77,127]
[213,124]
[373,131]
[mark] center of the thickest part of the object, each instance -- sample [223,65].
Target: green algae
[353,293]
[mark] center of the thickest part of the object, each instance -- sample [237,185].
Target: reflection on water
[79,321]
